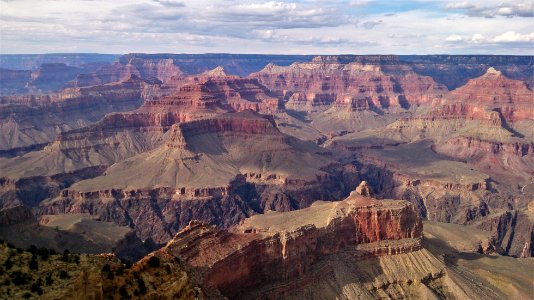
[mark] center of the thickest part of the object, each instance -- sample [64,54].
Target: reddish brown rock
[29,120]
[326,81]
[282,246]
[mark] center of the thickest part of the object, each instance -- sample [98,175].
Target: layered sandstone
[29,120]
[163,70]
[238,163]
[282,246]
[357,86]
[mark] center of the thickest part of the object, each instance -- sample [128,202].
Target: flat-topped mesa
[188,95]
[230,93]
[243,94]
[243,124]
[162,69]
[276,246]
[330,81]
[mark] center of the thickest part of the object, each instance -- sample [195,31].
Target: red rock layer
[251,255]
[357,86]
[161,69]
[513,99]
[242,124]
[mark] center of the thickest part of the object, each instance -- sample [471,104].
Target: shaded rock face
[29,192]
[162,70]
[254,254]
[355,86]
[434,199]
[30,120]
[16,215]
[513,231]
[53,76]
[13,81]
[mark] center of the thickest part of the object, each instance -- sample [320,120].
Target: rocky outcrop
[28,120]
[513,231]
[163,70]
[282,246]
[364,189]
[52,76]
[29,191]
[435,199]
[13,81]
[326,81]
[16,215]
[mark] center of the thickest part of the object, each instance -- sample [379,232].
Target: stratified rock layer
[281,246]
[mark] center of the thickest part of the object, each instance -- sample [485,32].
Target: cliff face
[31,120]
[327,81]
[513,231]
[162,70]
[13,81]
[219,170]
[53,76]
[282,246]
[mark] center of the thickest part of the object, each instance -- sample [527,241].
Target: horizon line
[272,54]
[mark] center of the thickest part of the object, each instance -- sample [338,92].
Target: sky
[270,27]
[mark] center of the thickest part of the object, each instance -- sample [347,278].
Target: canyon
[259,176]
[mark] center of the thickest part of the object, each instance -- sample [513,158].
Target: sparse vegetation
[29,276]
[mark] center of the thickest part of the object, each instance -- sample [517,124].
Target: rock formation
[327,81]
[30,121]
[227,170]
[239,163]
[287,255]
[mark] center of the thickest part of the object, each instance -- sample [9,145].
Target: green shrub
[141,285]
[32,249]
[8,264]
[36,288]
[43,253]
[123,292]
[34,265]
[154,262]
[106,268]
[20,278]
[65,256]
[63,274]
[49,280]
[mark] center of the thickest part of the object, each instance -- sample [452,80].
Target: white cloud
[459,5]
[491,9]
[359,3]
[478,38]
[176,3]
[511,37]
[252,26]
[454,38]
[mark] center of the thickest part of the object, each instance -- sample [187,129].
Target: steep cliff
[358,247]
[218,170]
[29,121]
